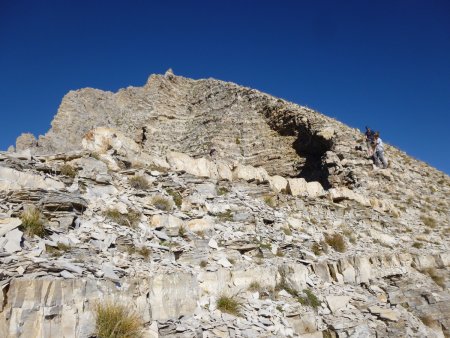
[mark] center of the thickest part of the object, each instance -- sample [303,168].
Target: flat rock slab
[8,224]
[387,314]
[336,303]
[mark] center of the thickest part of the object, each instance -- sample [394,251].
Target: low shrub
[33,222]
[117,321]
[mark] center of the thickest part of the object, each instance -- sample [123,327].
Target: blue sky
[380,63]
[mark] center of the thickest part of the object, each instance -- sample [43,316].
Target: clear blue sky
[380,63]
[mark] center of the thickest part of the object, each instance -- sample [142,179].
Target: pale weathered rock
[336,303]
[297,186]
[278,183]
[25,141]
[11,179]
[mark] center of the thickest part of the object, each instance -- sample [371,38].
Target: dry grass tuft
[428,320]
[33,222]
[270,201]
[139,182]
[429,221]
[131,219]
[438,279]
[162,203]
[337,242]
[176,196]
[117,321]
[143,251]
[68,170]
[228,305]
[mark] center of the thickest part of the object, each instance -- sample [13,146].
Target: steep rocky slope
[169,196]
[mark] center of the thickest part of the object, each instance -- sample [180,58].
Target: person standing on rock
[378,152]
[370,139]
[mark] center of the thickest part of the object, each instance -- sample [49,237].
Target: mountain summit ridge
[184,195]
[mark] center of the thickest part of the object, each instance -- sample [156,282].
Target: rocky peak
[184,195]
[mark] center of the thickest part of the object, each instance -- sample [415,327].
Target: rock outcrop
[172,196]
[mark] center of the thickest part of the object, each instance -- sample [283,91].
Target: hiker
[378,152]
[370,139]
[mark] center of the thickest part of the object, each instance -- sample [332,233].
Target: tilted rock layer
[169,196]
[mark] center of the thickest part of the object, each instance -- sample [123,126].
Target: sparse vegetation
[33,222]
[237,140]
[270,201]
[228,305]
[287,231]
[316,249]
[254,287]
[176,196]
[222,191]
[427,320]
[68,170]
[337,242]
[117,321]
[203,264]
[161,203]
[131,219]
[310,299]
[181,231]
[57,251]
[139,182]
[144,252]
[438,279]
[428,221]
[225,216]
[417,245]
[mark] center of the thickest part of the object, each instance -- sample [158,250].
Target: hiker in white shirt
[378,152]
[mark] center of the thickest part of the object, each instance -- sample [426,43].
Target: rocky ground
[177,235]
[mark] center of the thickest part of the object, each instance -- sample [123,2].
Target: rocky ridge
[286,216]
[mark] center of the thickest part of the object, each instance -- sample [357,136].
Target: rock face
[196,117]
[170,197]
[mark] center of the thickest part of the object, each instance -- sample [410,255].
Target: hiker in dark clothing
[370,139]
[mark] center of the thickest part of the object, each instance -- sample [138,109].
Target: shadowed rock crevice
[309,144]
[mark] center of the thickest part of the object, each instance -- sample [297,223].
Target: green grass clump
[176,196]
[33,222]
[131,219]
[310,299]
[228,305]
[117,321]
[139,182]
[337,242]
[161,203]
[68,170]
[222,191]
